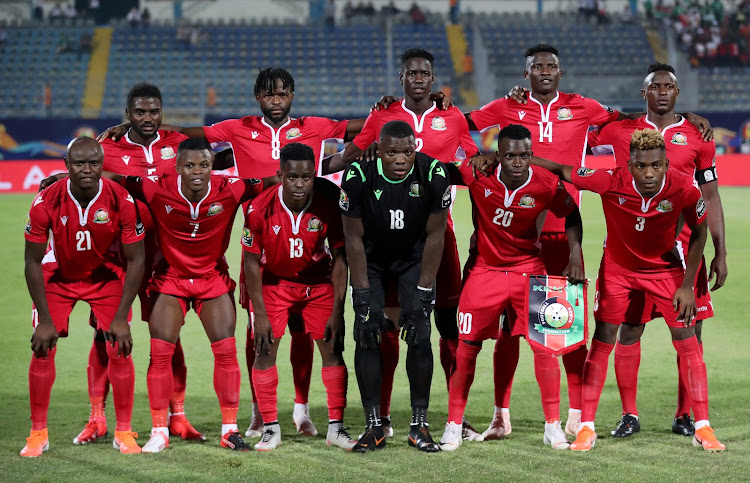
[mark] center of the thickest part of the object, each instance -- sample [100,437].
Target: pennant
[558,315]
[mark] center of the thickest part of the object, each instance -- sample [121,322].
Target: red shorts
[555,252]
[314,304]
[487,293]
[191,291]
[703,305]
[102,295]
[626,297]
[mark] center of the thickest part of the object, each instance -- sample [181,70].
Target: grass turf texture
[653,454]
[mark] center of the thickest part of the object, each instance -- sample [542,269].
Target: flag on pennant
[558,315]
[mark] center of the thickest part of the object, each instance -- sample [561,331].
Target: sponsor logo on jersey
[126,160]
[350,174]
[255,134]
[215,209]
[664,206]
[438,123]
[247,237]
[527,201]
[276,229]
[64,220]
[439,170]
[679,139]
[101,216]
[377,193]
[169,208]
[343,201]
[314,224]
[129,198]
[487,192]
[621,199]
[446,199]
[167,152]
[28,225]
[250,209]
[521,114]
[700,207]
[416,190]
[563,114]
[293,133]
[38,200]
[155,179]
[232,180]
[584,172]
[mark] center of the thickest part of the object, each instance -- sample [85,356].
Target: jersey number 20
[502,217]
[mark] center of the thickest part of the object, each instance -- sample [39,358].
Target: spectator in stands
[467,71]
[56,13]
[93,10]
[390,9]
[330,14]
[601,13]
[145,17]
[134,17]
[3,38]
[38,10]
[348,11]
[418,17]
[85,44]
[70,11]
[65,45]
[587,9]
[369,10]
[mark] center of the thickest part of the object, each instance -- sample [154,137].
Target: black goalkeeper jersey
[395,213]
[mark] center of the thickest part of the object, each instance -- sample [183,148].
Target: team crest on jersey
[28,225]
[343,201]
[679,139]
[446,199]
[416,190]
[276,229]
[487,192]
[64,220]
[101,216]
[247,237]
[584,172]
[700,207]
[438,123]
[215,209]
[564,113]
[664,206]
[621,199]
[314,224]
[527,201]
[293,133]
[167,152]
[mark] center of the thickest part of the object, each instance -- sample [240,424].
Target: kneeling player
[85,215]
[193,213]
[395,214]
[290,270]
[644,205]
[509,208]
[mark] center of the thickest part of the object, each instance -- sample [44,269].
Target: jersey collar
[295,221]
[544,111]
[418,121]
[147,151]
[510,195]
[645,204]
[380,172]
[275,133]
[663,131]
[193,209]
[83,215]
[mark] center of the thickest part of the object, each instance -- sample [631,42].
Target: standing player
[689,154]
[644,206]
[290,269]
[85,216]
[257,142]
[508,210]
[395,212]
[192,211]
[439,134]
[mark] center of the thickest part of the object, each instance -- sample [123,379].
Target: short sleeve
[350,197]
[251,187]
[252,233]
[141,188]
[440,188]
[38,221]
[596,180]
[601,136]
[370,131]
[131,227]
[222,131]
[705,164]
[467,175]
[328,128]
[562,204]
[489,114]
[598,113]
[695,207]
[464,137]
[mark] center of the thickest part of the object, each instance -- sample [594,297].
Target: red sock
[335,379]
[463,376]
[159,381]
[229,415]
[41,378]
[226,372]
[448,349]
[505,360]
[547,371]
[179,380]
[594,375]
[301,356]
[250,358]
[693,372]
[627,362]
[389,351]
[573,362]
[266,381]
[122,376]
[98,377]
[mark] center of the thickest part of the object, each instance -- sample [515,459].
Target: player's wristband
[424,289]
[360,297]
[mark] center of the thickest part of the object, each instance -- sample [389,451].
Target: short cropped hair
[658,66]
[397,130]
[193,144]
[541,48]
[296,152]
[418,54]
[514,131]
[266,80]
[143,89]
[646,140]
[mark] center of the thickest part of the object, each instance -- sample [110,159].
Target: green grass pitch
[655,454]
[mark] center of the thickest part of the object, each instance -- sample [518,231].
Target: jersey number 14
[545,131]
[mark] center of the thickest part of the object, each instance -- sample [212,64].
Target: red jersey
[294,248]
[192,237]
[437,133]
[507,223]
[127,158]
[81,237]
[641,232]
[257,145]
[558,130]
